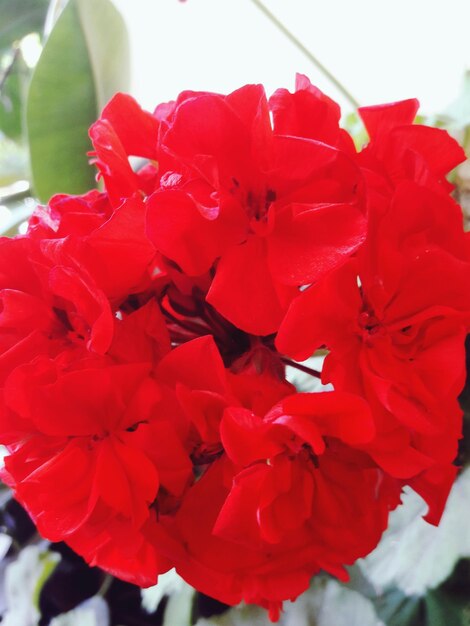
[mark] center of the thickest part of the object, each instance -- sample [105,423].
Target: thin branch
[302,368]
[9,68]
[105,585]
[306,52]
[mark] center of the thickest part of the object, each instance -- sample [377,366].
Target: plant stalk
[306,52]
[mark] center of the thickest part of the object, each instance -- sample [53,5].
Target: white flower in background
[23,580]
[168,584]
[180,598]
[92,612]
[5,545]
[3,451]
[415,556]
[327,603]
[331,604]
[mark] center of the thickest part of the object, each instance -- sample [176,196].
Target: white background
[381,50]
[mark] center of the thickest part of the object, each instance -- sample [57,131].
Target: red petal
[237,519]
[196,364]
[324,314]
[246,437]
[336,414]
[178,230]
[434,486]
[441,152]
[308,113]
[121,181]
[302,249]
[245,292]
[383,118]
[137,129]
[121,243]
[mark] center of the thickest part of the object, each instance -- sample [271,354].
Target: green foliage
[444,609]
[11,96]
[353,124]
[49,562]
[396,609]
[19,18]
[448,605]
[84,62]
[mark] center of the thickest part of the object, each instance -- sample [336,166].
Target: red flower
[48,304]
[87,230]
[97,471]
[195,398]
[400,150]
[309,113]
[291,498]
[124,130]
[259,204]
[395,340]
[144,399]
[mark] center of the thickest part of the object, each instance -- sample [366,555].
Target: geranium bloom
[395,340]
[100,239]
[47,305]
[256,201]
[400,150]
[82,464]
[291,496]
[146,330]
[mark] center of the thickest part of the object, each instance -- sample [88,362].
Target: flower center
[370,325]
[257,207]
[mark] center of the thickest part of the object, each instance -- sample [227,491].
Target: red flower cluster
[146,332]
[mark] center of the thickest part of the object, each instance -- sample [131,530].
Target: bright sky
[382,50]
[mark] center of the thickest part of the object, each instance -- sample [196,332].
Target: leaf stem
[306,52]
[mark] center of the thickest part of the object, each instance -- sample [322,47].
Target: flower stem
[306,52]
[302,368]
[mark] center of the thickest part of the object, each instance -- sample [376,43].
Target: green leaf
[10,107]
[442,608]
[12,96]
[19,18]
[84,62]
[397,609]
[49,561]
[448,605]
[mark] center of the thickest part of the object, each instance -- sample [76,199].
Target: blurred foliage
[19,18]
[11,94]
[45,114]
[84,62]
[13,162]
[353,124]
[448,605]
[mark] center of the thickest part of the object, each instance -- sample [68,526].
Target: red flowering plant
[148,332]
